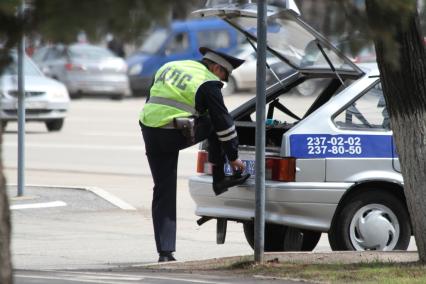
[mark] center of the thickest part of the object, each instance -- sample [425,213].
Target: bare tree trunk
[401,57]
[5,229]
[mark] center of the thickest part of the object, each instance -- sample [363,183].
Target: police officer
[185,106]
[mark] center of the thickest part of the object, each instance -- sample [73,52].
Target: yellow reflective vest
[173,92]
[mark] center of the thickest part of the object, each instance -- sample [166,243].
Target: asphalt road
[80,277]
[101,146]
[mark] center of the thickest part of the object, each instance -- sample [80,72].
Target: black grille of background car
[27,111]
[27,94]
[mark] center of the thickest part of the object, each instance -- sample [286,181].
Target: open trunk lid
[288,37]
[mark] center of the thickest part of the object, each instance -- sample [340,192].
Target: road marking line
[193,149]
[100,281]
[93,277]
[111,198]
[77,146]
[38,205]
[95,190]
[113,134]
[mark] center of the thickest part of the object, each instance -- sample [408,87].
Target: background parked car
[85,69]
[244,77]
[178,42]
[46,100]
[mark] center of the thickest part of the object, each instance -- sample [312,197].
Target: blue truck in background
[181,40]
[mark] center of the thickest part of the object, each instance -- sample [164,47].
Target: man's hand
[237,165]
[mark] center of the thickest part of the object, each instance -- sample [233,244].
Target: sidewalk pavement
[83,230]
[76,228]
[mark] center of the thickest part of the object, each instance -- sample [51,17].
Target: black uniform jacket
[209,98]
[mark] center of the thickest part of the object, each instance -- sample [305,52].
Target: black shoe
[229,181]
[164,257]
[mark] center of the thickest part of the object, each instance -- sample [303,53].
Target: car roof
[199,24]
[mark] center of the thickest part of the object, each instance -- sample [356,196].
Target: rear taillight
[280,169]
[71,67]
[276,168]
[203,165]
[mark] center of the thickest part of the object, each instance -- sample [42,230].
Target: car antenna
[329,62]
[266,62]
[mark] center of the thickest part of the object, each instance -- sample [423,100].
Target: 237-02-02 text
[334,145]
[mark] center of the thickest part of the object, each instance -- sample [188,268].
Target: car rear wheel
[77,95]
[284,238]
[117,97]
[55,125]
[371,221]
[137,93]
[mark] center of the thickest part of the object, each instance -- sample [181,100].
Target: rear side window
[178,44]
[89,52]
[367,113]
[55,53]
[214,39]
[40,54]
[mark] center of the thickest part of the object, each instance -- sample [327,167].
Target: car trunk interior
[246,127]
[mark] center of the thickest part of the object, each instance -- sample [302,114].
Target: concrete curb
[332,257]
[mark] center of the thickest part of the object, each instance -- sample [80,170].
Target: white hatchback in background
[46,100]
[331,164]
[244,77]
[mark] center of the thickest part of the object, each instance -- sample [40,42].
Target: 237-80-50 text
[334,145]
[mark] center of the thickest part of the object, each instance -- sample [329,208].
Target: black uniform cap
[226,61]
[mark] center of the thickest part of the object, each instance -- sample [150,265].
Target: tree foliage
[61,21]
[347,20]
[11,27]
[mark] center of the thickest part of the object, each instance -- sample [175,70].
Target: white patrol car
[331,164]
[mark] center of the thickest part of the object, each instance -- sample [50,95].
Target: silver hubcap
[374,227]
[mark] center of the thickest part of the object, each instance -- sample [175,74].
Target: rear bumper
[303,204]
[107,85]
[33,115]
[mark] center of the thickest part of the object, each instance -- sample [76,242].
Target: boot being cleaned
[221,183]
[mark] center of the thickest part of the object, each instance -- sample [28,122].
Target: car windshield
[29,68]
[154,41]
[89,52]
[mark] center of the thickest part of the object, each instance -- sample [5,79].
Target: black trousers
[162,150]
